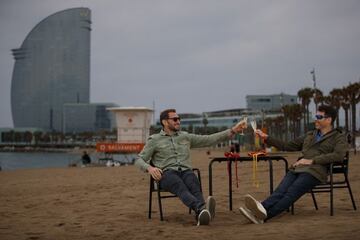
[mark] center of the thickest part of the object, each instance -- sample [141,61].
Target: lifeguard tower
[133,128]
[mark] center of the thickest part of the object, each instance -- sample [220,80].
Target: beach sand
[112,202]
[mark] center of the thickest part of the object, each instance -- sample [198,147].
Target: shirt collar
[318,135]
[163,133]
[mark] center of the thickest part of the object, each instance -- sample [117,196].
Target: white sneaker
[250,216]
[204,217]
[210,205]
[255,207]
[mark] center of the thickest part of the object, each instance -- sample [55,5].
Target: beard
[174,128]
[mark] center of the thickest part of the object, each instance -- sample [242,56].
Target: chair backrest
[338,168]
[153,184]
[342,167]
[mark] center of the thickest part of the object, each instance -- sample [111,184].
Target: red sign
[119,147]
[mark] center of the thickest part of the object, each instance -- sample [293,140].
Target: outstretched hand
[155,172]
[240,126]
[261,134]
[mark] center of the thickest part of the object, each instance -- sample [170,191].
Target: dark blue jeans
[186,186]
[291,188]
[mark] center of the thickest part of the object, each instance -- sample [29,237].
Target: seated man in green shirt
[169,153]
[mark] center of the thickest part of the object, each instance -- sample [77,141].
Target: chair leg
[150,199]
[331,193]
[331,201]
[199,177]
[160,205]
[314,200]
[350,192]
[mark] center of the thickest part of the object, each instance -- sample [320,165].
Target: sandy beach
[112,202]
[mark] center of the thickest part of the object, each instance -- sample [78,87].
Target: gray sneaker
[250,216]
[255,207]
[204,217]
[210,205]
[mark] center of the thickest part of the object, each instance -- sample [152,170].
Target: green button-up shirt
[173,152]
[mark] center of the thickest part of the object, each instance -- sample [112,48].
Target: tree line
[345,98]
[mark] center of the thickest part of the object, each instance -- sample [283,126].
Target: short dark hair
[329,112]
[165,114]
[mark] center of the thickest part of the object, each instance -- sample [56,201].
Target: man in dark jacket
[319,148]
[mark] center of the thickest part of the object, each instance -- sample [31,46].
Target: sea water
[25,160]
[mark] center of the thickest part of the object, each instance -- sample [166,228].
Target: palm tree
[345,104]
[354,98]
[318,96]
[334,99]
[286,111]
[269,124]
[292,113]
[305,95]
[295,117]
[279,126]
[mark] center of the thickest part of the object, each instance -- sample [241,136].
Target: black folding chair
[154,187]
[335,169]
[331,184]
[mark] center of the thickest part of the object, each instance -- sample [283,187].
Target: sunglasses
[319,117]
[175,119]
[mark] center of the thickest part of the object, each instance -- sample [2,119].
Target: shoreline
[47,149]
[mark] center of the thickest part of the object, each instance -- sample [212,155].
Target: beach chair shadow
[162,194]
[338,178]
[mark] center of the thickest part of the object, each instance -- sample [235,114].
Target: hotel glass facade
[52,67]
[93,117]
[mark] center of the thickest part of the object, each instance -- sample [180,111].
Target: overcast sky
[199,55]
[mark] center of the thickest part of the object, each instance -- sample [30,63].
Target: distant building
[223,121]
[52,67]
[88,117]
[272,102]
[222,118]
[259,108]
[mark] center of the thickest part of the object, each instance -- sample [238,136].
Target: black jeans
[291,188]
[186,186]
